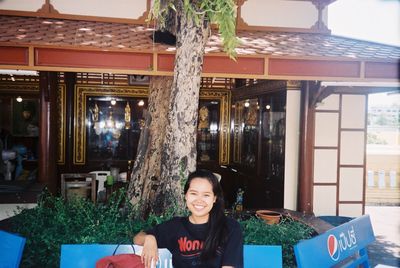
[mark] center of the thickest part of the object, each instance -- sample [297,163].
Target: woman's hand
[150,251]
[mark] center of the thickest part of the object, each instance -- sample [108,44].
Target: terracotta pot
[270,217]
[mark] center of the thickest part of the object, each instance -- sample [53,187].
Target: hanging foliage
[219,12]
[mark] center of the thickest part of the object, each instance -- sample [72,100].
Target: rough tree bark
[147,167]
[158,183]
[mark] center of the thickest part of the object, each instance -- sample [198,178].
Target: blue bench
[11,248]
[86,255]
[343,246]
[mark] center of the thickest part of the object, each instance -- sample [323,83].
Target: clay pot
[270,217]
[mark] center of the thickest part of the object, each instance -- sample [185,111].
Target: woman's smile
[200,199]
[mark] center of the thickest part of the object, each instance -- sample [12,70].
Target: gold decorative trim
[15,89]
[81,93]
[224,97]
[61,116]
[293,84]
[237,134]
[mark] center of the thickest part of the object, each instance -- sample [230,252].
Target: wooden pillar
[48,130]
[306,157]
[70,81]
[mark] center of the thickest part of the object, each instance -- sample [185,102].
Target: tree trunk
[147,167]
[167,153]
[179,153]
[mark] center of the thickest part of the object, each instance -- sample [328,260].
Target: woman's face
[200,199]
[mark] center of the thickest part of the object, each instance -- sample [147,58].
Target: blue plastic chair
[262,256]
[344,245]
[11,248]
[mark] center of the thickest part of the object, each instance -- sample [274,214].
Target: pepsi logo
[333,247]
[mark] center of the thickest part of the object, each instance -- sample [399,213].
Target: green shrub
[55,222]
[287,233]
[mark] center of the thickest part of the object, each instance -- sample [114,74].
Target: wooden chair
[77,183]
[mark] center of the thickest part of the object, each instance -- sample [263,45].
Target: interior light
[12,77]
[141,103]
[247,104]
[268,107]
[19,99]
[113,102]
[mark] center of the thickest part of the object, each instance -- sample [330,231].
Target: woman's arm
[150,248]
[139,238]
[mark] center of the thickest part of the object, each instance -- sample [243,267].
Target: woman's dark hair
[217,220]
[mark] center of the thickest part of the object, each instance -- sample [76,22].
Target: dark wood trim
[353,129]
[365,153]
[70,81]
[325,147]
[355,90]
[338,155]
[327,111]
[351,166]
[47,133]
[261,88]
[324,184]
[306,161]
[350,202]
[259,136]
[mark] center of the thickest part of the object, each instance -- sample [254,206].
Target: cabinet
[258,148]
[19,133]
[110,132]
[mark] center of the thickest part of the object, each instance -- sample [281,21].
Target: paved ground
[386,224]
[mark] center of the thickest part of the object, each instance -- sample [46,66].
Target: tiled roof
[129,37]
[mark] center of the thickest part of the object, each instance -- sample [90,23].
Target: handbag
[120,261]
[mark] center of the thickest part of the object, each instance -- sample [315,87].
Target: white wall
[279,13]
[292,148]
[339,155]
[22,5]
[127,9]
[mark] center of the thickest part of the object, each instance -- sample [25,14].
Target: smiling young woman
[207,238]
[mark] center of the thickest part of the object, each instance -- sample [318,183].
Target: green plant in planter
[287,233]
[55,222]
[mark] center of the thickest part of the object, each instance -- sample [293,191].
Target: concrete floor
[385,251]
[9,210]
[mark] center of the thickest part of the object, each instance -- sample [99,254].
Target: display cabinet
[258,147]
[108,120]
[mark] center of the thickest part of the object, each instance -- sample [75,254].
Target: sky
[372,20]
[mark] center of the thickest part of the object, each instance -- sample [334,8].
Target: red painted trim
[382,70]
[217,64]
[92,59]
[165,62]
[14,55]
[325,68]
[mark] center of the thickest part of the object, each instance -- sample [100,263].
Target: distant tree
[372,138]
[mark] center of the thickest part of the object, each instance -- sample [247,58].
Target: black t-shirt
[185,241]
